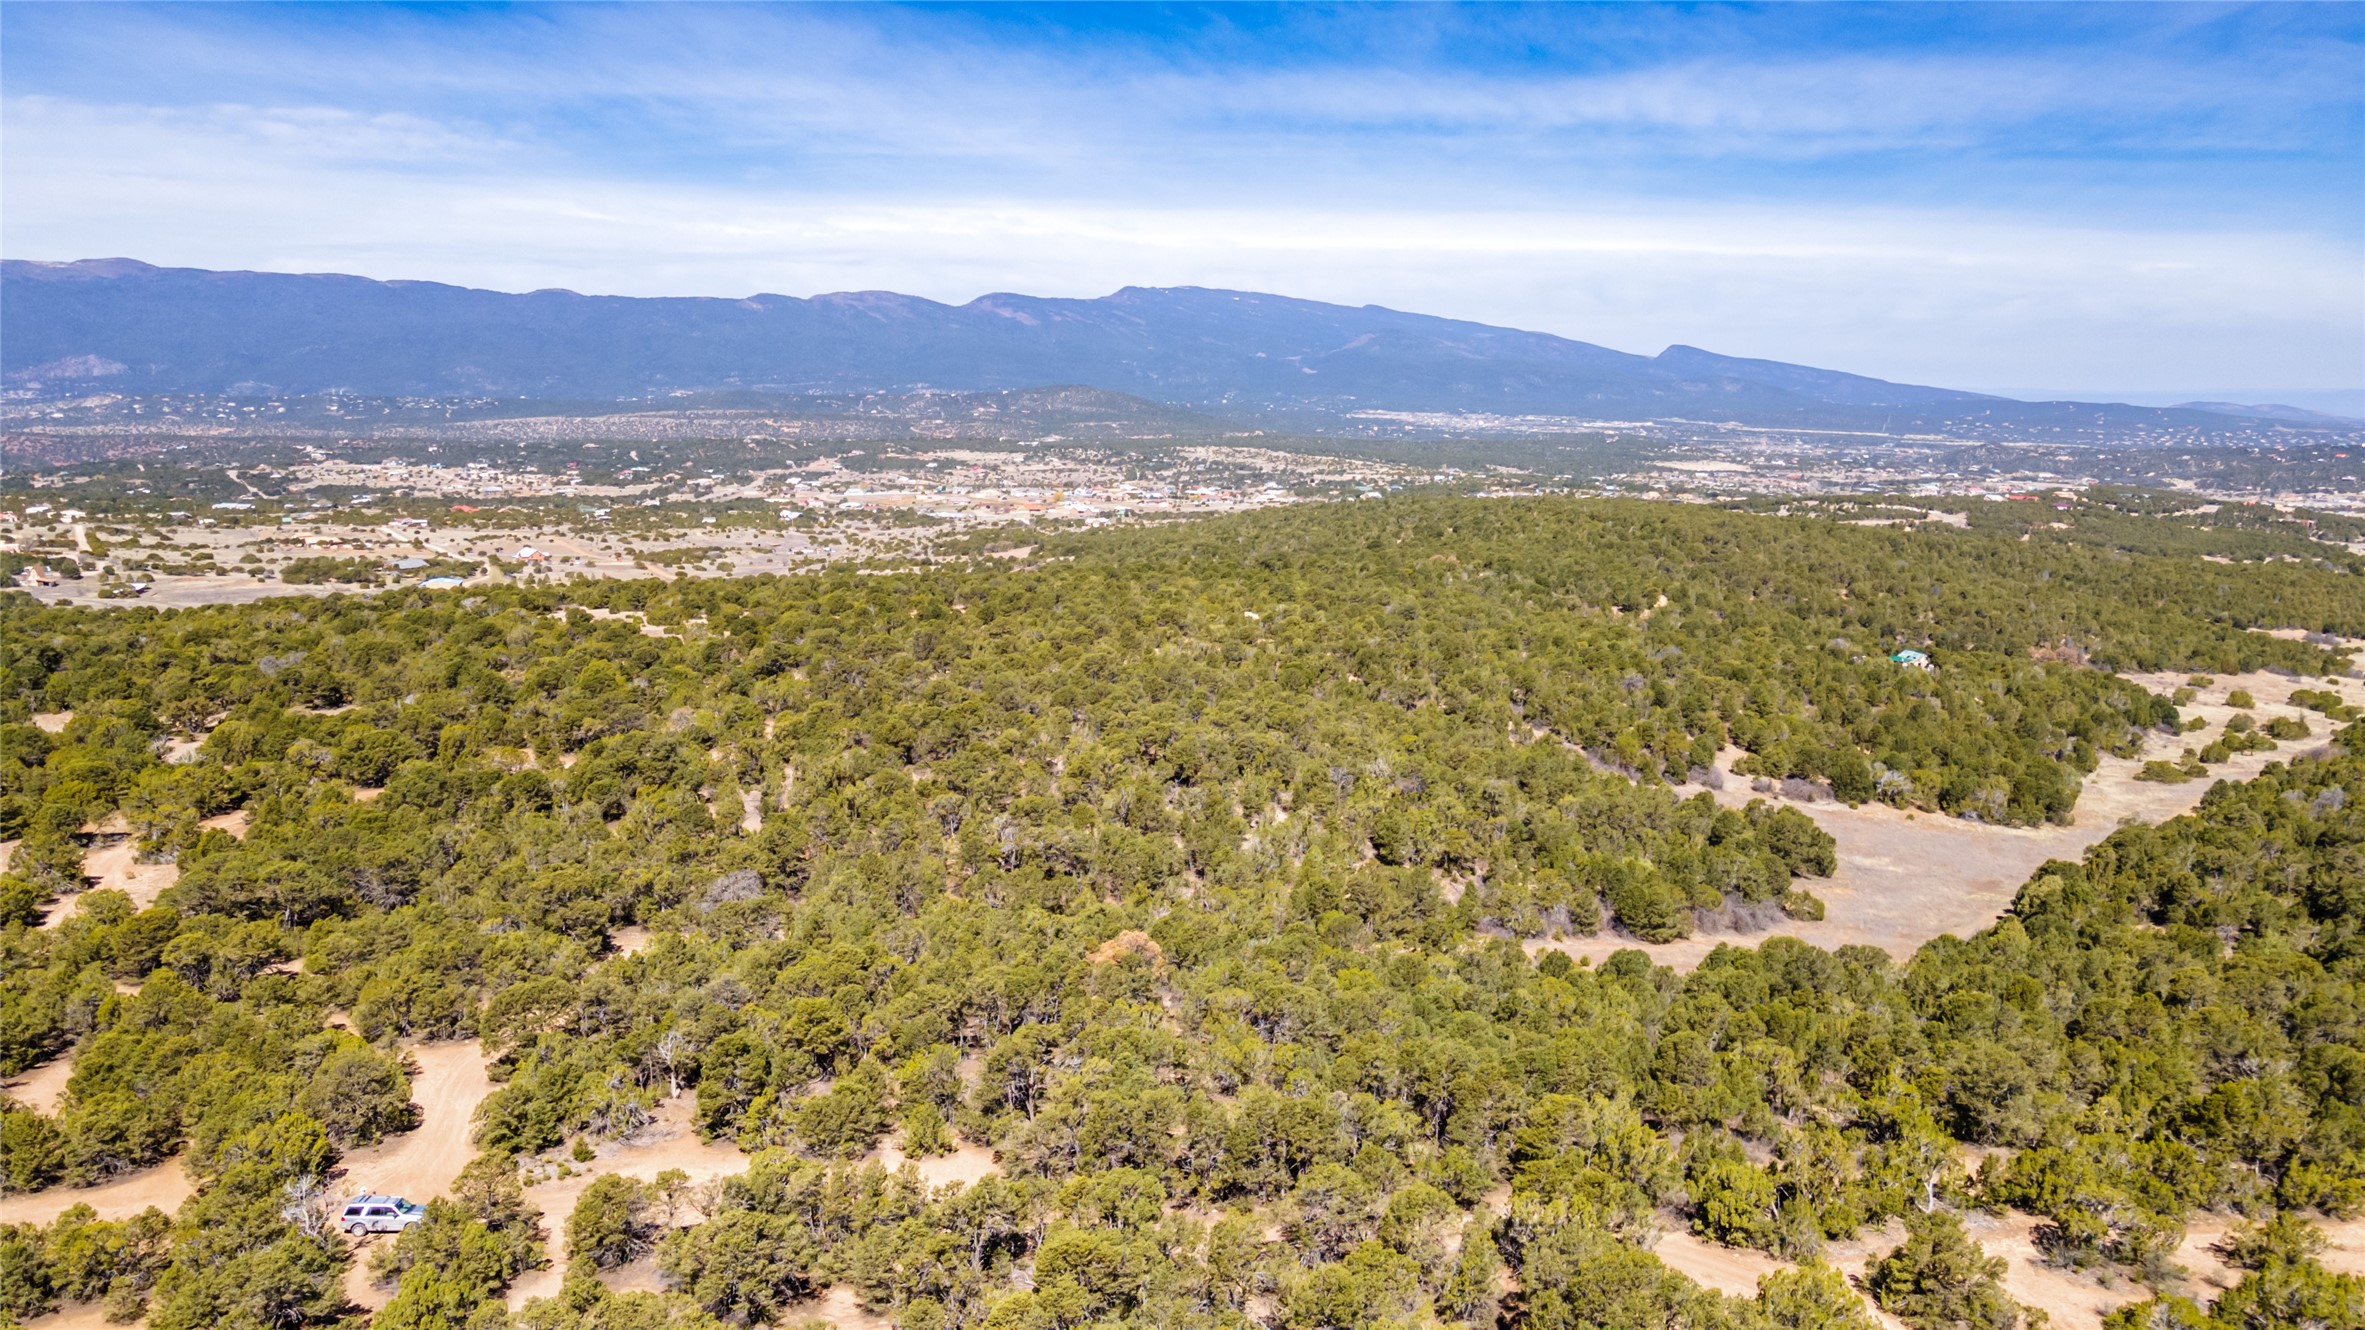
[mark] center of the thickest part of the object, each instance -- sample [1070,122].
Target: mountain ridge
[126,325]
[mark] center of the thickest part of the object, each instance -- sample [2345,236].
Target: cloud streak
[2132,205]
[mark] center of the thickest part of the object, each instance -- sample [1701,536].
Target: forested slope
[1183,869]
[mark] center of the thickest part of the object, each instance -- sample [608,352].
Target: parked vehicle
[379,1214]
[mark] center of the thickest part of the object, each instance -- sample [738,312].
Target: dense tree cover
[1184,871]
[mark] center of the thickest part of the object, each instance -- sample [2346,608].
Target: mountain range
[126,326]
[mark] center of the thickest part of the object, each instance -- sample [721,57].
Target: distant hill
[2268,411]
[128,326]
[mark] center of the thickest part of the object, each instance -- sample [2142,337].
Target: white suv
[379,1214]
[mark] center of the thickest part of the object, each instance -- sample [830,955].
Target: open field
[1905,878]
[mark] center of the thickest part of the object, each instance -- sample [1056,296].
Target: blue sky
[2103,198]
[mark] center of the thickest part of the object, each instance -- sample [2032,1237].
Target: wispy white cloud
[1944,296]
[1978,214]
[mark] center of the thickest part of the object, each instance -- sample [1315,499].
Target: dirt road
[420,1164]
[164,1186]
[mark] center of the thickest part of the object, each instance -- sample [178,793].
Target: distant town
[191,499]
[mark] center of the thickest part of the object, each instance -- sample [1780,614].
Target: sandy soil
[641,1276]
[629,940]
[165,1186]
[2075,1301]
[965,1165]
[2079,1302]
[2198,1254]
[421,1163]
[7,853]
[838,1306]
[1906,878]
[2344,1254]
[360,1290]
[235,822]
[115,866]
[175,591]
[75,1316]
[669,1142]
[52,722]
[1735,1270]
[39,1088]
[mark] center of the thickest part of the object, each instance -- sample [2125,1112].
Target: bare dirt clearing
[2075,1301]
[421,1163]
[838,1306]
[1906,878]
[114,865]
[967,1164]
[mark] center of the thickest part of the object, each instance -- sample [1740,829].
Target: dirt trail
[235,822]
[164,1186]
[360,1290]
[421,1163]
[39,1088]
[1735,1270]
[669,1142]
[1906,878]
